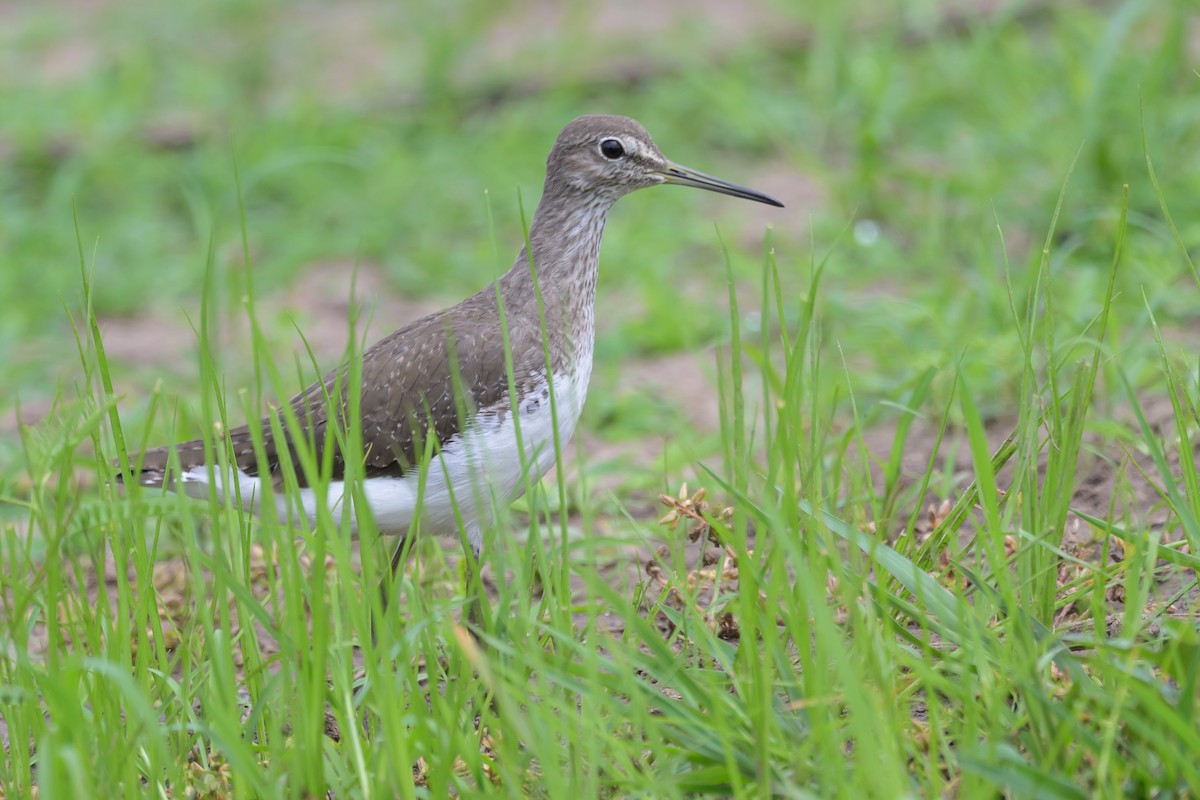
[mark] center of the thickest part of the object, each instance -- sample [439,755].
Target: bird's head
[610,156]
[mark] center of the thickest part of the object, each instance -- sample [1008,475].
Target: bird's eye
[612,149]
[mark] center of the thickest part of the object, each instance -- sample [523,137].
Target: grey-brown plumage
[409,378]
[407,393]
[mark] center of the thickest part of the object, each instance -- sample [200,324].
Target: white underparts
[475,472]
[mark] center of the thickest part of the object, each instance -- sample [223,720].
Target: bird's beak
[682,176]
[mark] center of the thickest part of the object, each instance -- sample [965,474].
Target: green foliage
[992,295]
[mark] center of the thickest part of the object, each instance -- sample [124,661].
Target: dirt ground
[321,297]
[160,342]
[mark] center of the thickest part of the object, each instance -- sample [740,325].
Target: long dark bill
[682,176]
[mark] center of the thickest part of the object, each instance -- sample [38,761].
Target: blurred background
[920,147]
[330,158]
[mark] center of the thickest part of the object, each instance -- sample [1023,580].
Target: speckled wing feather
[408,394]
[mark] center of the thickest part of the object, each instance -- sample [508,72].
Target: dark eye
[612,149]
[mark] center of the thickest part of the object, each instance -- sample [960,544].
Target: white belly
[477,471]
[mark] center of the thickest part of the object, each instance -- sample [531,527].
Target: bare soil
[159,343]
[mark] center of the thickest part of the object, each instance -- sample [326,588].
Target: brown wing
[409,395]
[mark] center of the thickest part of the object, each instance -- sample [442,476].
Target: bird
[435,403]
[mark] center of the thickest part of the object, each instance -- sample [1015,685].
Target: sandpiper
[441,386]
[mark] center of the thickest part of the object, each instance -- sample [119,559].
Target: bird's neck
[564,239]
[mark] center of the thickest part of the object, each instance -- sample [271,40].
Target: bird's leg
[385,583]
[385,593]
[476,617]
[475,613]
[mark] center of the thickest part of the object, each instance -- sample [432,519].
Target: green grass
[998,264]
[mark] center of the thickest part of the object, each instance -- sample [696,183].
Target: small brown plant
[716,572]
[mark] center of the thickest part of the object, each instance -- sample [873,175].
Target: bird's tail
[154,467]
